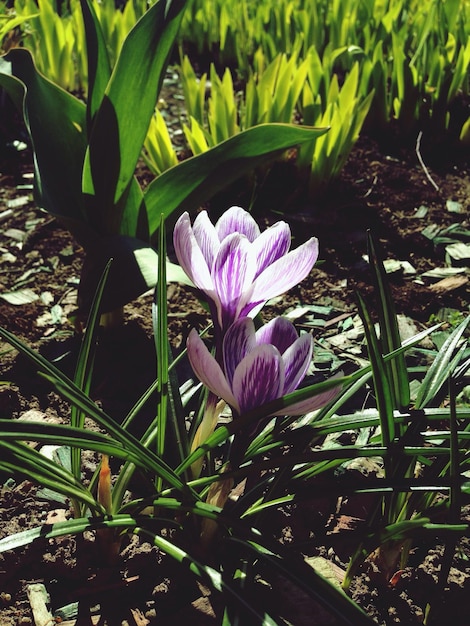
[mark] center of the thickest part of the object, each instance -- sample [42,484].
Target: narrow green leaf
[440,368]
[389,333]
[383,395]
[393,532]
[19,457]
[160,330]
[69,390]
[84,367]
[309,580]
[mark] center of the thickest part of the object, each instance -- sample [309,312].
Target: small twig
[423,165]
[369,191]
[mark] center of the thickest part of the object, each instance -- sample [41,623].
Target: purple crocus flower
[259,366]
[238,267]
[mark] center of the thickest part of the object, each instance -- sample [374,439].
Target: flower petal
[233,271]
[283,274]
[237,220]
[239,340]
[208,370]
[259,378]
[314,403]
[272,244]
[279,331]
[206,237]
[297,359]
[190,256]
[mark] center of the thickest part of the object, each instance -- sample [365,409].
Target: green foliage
[86,154]
[159,153]
[57,39]
[304,453]
[413,55]
[277,92]
[343,110]
[394,62]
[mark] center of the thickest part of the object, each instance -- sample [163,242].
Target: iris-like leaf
[99,67]
[124,114]
[194,181]
[58,155]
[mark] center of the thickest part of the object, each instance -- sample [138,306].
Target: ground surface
[382,188]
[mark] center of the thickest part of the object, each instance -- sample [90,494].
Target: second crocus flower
[259,366]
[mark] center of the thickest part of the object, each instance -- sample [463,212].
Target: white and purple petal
[190,256]
[208,370]
[232,272]
[297,359]
[259,378]
[206,237]
[284,273]
[279,331]
[237,220]
[271,245]
[239,340]
[314,403]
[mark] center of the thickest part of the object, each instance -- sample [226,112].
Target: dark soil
[381,189]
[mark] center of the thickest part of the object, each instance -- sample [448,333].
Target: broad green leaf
[123,118]
[99,67]
[58,155]
[196,180]
[133,272]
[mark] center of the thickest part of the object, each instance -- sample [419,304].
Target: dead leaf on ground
[449,284]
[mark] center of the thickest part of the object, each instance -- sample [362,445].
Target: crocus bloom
[259,366]
[238,267]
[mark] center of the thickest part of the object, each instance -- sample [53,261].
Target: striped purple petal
[239,340]
[233,270]
[208,370]
[297,359]
[206,237]
[272,244]
[279,331]
[314,403]
[237,220]
[259,378]
[190,256]
[284,273]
